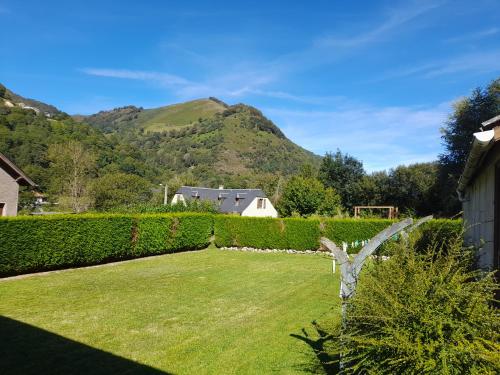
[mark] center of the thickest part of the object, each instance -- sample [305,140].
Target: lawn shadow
[329,364]
[25,349]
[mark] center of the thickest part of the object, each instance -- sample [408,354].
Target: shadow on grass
[318,343]
[25,349]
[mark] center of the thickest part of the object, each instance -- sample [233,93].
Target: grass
[204,312]
[178,115]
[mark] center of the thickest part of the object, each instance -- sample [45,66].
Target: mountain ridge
[203,141]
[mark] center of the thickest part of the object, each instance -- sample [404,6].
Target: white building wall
[252,209]
[9,193]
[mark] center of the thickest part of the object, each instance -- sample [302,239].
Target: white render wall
[9,193]
[252,209]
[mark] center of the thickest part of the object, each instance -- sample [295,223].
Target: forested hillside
[207,139]
[202,142]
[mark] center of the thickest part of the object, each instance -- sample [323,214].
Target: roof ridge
[200,187]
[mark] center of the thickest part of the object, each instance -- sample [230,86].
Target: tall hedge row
[303,234]
[352,230]
[439,233]
[266,233]
[30,244]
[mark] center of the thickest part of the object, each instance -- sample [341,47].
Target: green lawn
[204,312]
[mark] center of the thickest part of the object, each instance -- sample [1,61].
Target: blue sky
[376,79]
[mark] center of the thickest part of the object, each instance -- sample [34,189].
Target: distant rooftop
[228,200]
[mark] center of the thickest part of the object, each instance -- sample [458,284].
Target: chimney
[221,187]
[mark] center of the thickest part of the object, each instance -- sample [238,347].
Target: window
[261,203]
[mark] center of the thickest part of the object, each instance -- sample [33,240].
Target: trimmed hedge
[32,244]
[351,230]
[304,234]
[439,233]
[266,233]
[158,234]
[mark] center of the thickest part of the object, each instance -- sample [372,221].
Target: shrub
[190,231]
[151,234]
[266,233]
[31,244]
[352,230]
[157,234]
[422,314]
[151,208]
[440,233]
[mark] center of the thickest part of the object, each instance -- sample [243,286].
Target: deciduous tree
[72,166]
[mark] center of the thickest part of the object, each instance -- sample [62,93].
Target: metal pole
[165,196]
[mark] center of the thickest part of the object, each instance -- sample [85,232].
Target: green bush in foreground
[422,314]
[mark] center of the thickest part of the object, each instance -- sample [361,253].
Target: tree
[411,187]
[374,189]
[118,189]
[308,170]
[331,204]
[465,120]
[307,196]
[71,168]
[343,173]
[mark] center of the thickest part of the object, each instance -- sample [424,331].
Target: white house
[246,202]
[479,191]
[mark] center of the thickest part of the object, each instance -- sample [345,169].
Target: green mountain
[203,141]
[207,138]
[13,100]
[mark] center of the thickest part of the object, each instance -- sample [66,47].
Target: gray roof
[228,200]
[491,123]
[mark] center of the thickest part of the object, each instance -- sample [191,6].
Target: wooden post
[350,270]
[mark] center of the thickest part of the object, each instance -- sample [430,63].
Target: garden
[149,303]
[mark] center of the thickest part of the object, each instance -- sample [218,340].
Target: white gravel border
[288,251]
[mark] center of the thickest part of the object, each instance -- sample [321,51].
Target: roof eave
[481,144]
[491,123]
[20,177]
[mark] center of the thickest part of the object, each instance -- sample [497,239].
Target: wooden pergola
[392,212]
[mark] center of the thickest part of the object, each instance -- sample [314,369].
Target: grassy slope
[258,149]
[203,312]
[178,115]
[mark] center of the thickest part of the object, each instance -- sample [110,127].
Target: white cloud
[395,19]
[382,137]
[475,63]
[474,36]
[162,78]
[233,85]
[482,62]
